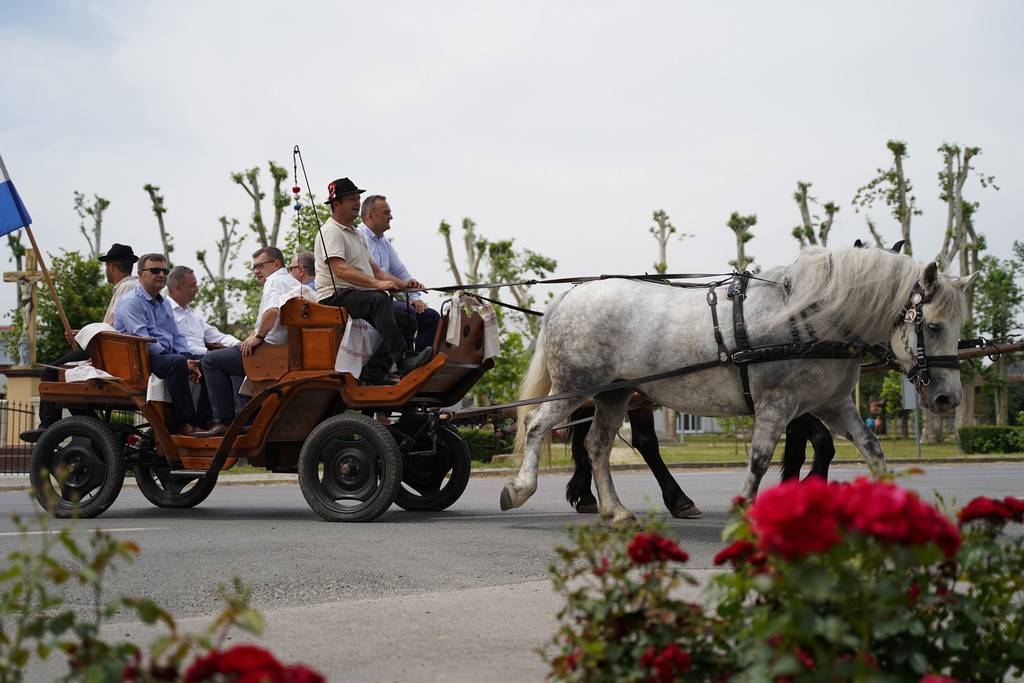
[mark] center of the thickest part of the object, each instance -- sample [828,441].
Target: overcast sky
[560,124]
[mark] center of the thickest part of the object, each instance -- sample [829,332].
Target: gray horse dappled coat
[616,329]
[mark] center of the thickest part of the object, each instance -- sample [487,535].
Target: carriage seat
[314,336]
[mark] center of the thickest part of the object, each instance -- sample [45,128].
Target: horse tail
[536,383]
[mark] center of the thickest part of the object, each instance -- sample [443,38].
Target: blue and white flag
[13,214]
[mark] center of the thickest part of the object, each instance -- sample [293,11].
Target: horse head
[924,340]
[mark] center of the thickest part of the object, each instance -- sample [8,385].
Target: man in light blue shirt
[144,313]
[376,217]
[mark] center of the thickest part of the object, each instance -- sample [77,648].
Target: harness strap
[738,293]
[723,353]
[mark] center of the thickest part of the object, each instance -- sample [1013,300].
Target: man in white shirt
[182,287]
[303,268]
[376,217]
[220,366]
[118,263]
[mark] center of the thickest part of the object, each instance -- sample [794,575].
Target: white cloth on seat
[86,334]
[467,306]
[84,370]
[357,346]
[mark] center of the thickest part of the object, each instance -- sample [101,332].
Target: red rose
[298,673]
[665,666]
[646,548]
[736,554]
[895,515]
[805,659]
[797,518]
[913,593]
[203,668]
[1016,508]
[992,511]
[602,566]
[936,678]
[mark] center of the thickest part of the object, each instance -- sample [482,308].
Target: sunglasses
[156,271]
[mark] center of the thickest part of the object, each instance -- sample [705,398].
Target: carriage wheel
[77,467]
[433,481]
[167,489]
[350,468]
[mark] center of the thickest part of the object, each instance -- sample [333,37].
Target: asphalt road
[457,595]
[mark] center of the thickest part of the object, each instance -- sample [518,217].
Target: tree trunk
[670,424]
[965,411]
[904,424]
[932,431]
[1002,394]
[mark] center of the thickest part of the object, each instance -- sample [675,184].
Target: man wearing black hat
[117,263]
[346,275]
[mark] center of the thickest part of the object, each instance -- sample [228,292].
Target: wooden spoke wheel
[432,479]
[350,469]
[77,467]
[166,488]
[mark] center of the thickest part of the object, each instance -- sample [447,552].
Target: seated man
[144,313]
[302,268]
[376,217]
[201,336]
[347,276]
[222,365]
[118,263]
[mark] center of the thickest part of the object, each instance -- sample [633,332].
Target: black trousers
[396,327]
[220,367]
[426,323]
[173,369]
[50,412]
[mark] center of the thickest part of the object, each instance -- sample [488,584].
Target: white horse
[619,329]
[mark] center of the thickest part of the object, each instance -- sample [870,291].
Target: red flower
[203,668]
[993,511]
[298,673]
[1016,507]
[666,665]
[602,566]
[646,548]
[736,554]
[805,659]
[242,659]
[913,593]
[797,518]
[936,678]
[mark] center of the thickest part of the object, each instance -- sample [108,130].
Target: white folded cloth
[467,306]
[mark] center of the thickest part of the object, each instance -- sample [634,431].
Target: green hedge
[991,439]
[483,445]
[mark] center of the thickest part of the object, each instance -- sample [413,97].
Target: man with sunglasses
[346,275]
[222,365]
[145,313]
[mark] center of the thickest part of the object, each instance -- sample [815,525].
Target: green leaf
[918,662]
[251,620]
[148,611]
[61,623]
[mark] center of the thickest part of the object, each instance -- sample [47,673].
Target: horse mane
[859,291]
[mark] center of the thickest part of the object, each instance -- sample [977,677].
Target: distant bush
[991,439]
[484,444]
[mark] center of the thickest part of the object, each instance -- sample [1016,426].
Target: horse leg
[769,424]
[577,491]
[609,410]
[538,423]
[844,419]
[645,440]
[795,453]
[824,448]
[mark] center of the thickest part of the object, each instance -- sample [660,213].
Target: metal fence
[16,417]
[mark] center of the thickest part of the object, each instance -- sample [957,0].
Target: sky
[563,125]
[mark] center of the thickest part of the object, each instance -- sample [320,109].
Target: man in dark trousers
[118,263]
[346,275]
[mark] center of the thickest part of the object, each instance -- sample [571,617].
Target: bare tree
[892,188]
[249,180]
[94,211]
[663,231]
[741,226]
[159,210]
[476,249]
[813,229]
[227,249]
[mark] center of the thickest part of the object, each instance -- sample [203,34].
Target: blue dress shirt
[142,315]
[386,257]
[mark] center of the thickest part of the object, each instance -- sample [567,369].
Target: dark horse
[803,429]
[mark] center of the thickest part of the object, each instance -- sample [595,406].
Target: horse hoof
[506,499]
[511,497]
[586,508]
[684,511]
[624,519]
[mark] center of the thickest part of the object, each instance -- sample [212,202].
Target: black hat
[120,252]
[339,188]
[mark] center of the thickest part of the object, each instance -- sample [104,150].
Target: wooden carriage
[357,449]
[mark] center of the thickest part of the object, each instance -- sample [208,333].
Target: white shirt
[197,332]
[277,289]
[122,288]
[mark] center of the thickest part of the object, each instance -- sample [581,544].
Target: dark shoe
[379,378]
[219,429]
[32,435]
[186,429]
[414,360]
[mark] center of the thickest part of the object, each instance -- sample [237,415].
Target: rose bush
[822,582]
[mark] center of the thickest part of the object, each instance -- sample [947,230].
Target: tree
[216,284]
[509,265]
[476,249]
[892,188]
[741,226]
[249,180]
[85,295]
[663,231]
[95,212]
[998,301]
[159,210]
[305,223]
[813,230]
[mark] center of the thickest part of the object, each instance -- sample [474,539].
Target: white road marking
[50,532]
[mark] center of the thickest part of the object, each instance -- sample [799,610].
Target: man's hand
[413,283]
[249,344]
[195,375]
[384,285]
[418,305]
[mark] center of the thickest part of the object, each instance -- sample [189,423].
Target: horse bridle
[921,362]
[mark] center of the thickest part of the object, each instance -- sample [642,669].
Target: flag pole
[49,281]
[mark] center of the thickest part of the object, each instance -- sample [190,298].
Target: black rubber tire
[158,485]
[96,455]
[372,473]
[452,461]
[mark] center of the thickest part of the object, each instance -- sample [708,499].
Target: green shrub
[484,444]
[991,439]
